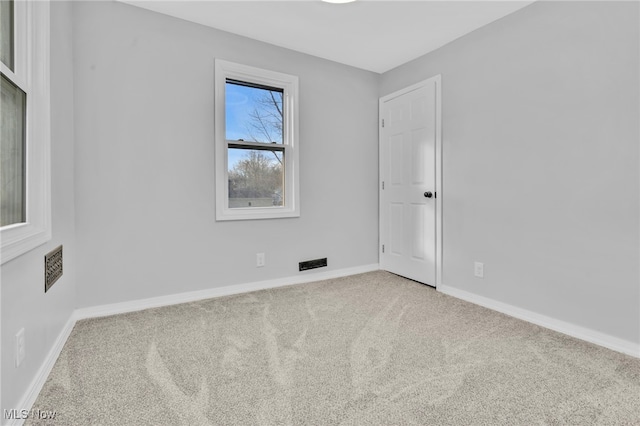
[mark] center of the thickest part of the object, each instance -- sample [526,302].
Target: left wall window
[13,107]
[25,213]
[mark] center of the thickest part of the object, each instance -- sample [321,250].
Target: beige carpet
[368,349]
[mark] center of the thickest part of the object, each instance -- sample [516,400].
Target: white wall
[541,167]
[145,160]
[540,152]
[24,303]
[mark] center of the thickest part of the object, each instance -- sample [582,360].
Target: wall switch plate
[21,350]
[478,269]
[260,260]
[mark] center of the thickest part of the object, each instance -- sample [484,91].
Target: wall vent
[312,264]
[52,267]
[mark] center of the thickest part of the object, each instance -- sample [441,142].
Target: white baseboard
[29,398]
[592,336]
[192,296]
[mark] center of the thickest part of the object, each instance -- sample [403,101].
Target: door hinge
[382,184]
[383,248]
[383,122]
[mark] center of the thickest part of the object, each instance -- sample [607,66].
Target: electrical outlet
[21,350]
[260,260]
[478,269]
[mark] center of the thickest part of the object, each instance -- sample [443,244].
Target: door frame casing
[438,168]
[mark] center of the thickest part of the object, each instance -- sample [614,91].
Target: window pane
[253,113]
[12,154]
[256,178]
[6,32]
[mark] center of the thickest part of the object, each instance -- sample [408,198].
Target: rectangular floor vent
[312,264]
[52,267]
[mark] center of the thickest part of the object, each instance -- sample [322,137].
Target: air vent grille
[312,264]
[52,267]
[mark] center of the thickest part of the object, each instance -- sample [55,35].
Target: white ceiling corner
[374,35]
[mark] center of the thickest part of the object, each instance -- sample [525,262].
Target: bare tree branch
[267,120]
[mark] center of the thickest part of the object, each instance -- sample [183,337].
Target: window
[256,128]
[13,104]
[25,216]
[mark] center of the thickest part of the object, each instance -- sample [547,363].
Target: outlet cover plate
[478,269]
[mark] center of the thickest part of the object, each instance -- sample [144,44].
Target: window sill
[255,213]
[20,239]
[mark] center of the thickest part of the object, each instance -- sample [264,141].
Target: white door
[410,196]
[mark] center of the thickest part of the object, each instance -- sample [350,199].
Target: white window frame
[289,84]
[31,74]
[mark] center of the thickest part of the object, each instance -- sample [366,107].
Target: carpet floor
[362,350]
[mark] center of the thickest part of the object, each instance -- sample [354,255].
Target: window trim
[229,70]
[32,75]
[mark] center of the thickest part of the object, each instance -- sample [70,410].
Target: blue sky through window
[251,114]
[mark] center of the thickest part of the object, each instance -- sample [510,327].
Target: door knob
[428,194]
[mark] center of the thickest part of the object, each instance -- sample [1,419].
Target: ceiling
[374,35]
